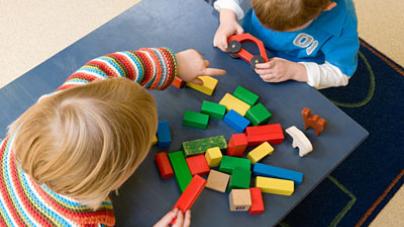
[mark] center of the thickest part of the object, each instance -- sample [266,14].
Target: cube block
[240,200]
[217,181]
[237,145]
[178,83]
[198,165]
[240,178]
[213,156]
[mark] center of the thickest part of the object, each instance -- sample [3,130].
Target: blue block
[163,135]
[277,172]
[236,121]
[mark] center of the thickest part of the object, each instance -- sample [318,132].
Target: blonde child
[313,41]
[66,153]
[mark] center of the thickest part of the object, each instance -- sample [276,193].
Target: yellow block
[213,156]
[208,87]
[233,103]
[275,186]
[154,141]
[260,152]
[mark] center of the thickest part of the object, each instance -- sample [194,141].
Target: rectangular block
[240,178]
[260,169]
[198,165]
[229,163]
[271,133]
[258,114]
[236,121]
[163,135]
[233,103]
[199,146]
[260,152]
[257,202]
[190,194]
[208,87]
[246,95]
[213,156]
[195,120]
[213,109]
[163,165]
[178,83]
[217,181]
[275,186]
[240,200]
[181,170]
[237,145]
[155,140]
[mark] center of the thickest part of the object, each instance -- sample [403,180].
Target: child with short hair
[313,41]
[66,153]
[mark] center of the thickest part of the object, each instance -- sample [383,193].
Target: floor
[33,31]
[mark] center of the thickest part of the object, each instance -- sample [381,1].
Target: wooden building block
[258,114]
[229,163]
[300,141]
[257,202]
[236,121]
[233,103]
[260,152]
[271,133]
[163,165]
[240,178]
[260,169]
[213,109]
[199,146]
[213,156]
[178,83]
[195,120]
[208,87]
[181,170]
[275,186]
[217,181]
[198,165]
[313,121]
[190,194]
[246,95]
[237,145]
[240,200]
[154,140]
[163,135]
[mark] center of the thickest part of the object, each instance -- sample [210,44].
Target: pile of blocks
[227,164]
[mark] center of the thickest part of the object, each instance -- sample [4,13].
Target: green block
[200,146]
[258,114]
[246,95]
[196,120]
[214,110]
[229,163]
[181,170]
[240,178]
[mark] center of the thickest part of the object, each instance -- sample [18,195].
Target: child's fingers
[165,221]
[214,72]
[179,221]
[197,81]
[187,220]
[266,65]
[239,30]
[263,71]
[206,62]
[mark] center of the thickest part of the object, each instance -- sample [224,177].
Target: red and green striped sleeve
[153,68]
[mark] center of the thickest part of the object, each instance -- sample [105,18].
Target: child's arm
[153,68]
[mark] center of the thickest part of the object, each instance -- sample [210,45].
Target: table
[182,24]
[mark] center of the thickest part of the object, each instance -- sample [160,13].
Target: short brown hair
[283,15]
[84,142]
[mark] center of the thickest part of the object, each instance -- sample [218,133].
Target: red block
[237,145]
[178,83]
[272,133]
[190,194]
[163,165]
[198,165]
[257,202]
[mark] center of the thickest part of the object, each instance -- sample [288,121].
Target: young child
[313,41]
[66,153]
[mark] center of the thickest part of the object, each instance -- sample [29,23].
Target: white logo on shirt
[304,40]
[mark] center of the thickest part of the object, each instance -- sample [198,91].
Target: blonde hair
[284,15]
[84,142]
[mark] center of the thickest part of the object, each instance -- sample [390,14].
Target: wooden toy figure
[313,121]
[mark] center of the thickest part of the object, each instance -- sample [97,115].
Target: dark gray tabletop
[181,24]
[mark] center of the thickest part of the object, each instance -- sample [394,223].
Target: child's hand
[180,221]
[278,70]
[191,65]
[228,26]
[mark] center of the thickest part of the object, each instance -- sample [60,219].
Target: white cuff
[233,5]
[325,75]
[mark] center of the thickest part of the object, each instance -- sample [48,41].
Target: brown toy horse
[313,121]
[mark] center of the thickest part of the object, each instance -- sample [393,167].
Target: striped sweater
[23,202]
